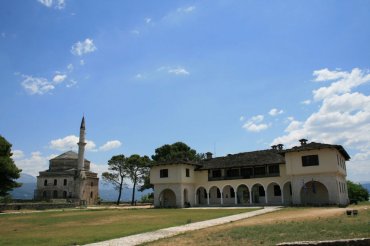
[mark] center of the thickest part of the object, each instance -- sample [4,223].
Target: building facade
[69,177]
[309,174]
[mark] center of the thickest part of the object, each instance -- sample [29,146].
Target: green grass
[87,226]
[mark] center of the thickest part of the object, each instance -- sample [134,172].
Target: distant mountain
[106,191]
[366,185]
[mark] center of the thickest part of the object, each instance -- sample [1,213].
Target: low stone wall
[35,206]
[342,242]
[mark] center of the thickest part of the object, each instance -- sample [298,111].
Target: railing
[244,177]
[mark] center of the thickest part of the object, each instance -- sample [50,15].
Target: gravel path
[172,231]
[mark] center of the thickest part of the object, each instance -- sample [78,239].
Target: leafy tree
[146,182]
[136,169]
[8,170]
[116,166]
[178,151]
[357,192]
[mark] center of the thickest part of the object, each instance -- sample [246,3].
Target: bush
[357,192]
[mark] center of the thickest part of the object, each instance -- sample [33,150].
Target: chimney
[280,146]
[209,155]
[303,141]
[273,147]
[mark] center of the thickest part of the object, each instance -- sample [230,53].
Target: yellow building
[309,174]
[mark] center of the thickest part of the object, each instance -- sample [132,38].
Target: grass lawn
[287,225]
[87,226]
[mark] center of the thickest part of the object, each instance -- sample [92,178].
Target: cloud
[306,102]
[186,9]
[275,112]
[135,32]
[82,62]
[98,168]
[81,48]
[343,116]
[36,85]
[70,67]
[110,145]
[34,163]
[57,4]
[71,83]
[174,70]
[255,124]
[39,85]
[139,76]
[147,20]
[70,143]
[17,154]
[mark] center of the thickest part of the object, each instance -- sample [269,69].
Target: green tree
[357,192]
[146,182]
[136,168]
[178,151]
[117,173]
[8,170]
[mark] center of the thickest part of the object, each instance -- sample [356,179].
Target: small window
[261,190]
[163,173]
[234,172]
[232,192]
[277,191]
[310,160]
[187,172]
[216,173]
[261,170]
[65,182]
[91,194]
[274,169]
[55,182]
[45,182]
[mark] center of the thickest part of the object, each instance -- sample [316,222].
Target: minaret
[81,145]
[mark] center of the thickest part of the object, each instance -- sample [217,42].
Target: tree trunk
[119,193]
[133,193]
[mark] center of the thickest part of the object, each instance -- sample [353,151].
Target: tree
[178,151]
[136,169]
[117,166]
[357,192]
[8,170]
[146,182]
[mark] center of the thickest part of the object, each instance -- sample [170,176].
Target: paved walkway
[172,231]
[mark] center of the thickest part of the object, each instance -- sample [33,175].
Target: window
[55,194]
[187,172]
[232,172]
[64,194]
[277,191]
[261,190]
[218,193]
[205,194]
[310,160]
[91,194]
[45,182]
[216,173]
[44,194]
[55,182]
[163,173]
[246,172]
[259,170]
[92,184]
[274,169]
[65,182]
[232,193]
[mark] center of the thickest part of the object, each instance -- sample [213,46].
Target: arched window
[65,182]
[91,194]
[64,194]
[55,194]
[55,182]
[45,182]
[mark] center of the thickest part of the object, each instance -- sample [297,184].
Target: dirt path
[289,214]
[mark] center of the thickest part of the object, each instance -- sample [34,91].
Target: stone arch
[287,192]
[167,198]
[243,195]
[214,195]
[258,194]
[274,193]
[228,195]
[201,196]
[314,193]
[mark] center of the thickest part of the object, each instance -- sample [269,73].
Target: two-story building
[312,174]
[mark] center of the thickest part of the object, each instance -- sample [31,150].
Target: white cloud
[186,9]
[110,145]
[70,143]
[147,20]
[59,78]
[139,76]
[71,83]
[255,124]
[242,118]
[33,164]
[342,118]
[82,62]
[98,168]
[306,102]
[81,48]
[57,4]
[36,85]
[174,70]
[275,112]
[17,154]
[70,67]
[135,32]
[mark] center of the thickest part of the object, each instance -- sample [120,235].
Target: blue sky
[222,76]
